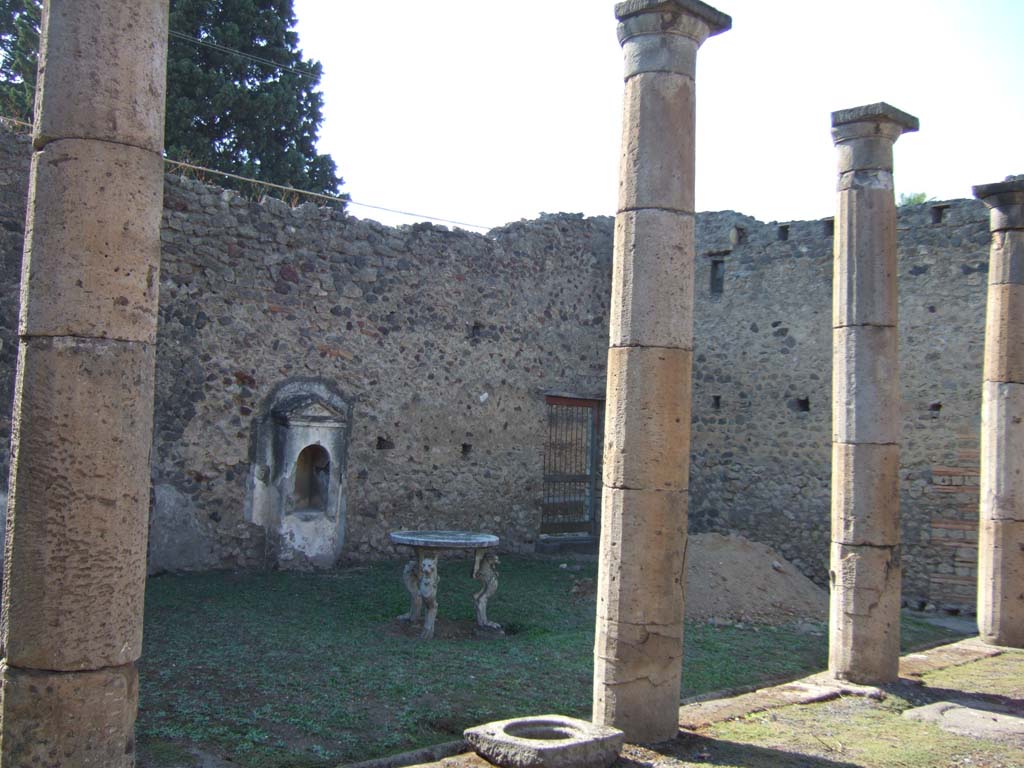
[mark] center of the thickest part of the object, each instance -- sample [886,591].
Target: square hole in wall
[717,276]
[782,233]
[828,227]
[799,404]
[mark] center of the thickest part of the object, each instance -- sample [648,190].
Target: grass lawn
[849,732]
[856,731]
[300,670]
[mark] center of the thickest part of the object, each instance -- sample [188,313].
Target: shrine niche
[312,480]
[297,483]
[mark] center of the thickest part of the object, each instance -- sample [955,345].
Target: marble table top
[444,539]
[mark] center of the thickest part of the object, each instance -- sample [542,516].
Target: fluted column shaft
[1001,533]
[865,572]
[639,638]
[82,423]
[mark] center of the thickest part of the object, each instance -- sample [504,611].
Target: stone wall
[443,343]
[15,157]
[762,389]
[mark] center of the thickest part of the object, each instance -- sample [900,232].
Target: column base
[1001,582]
[864,614]
[637,679]
[84,719]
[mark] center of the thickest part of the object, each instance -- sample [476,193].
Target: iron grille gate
[572,466]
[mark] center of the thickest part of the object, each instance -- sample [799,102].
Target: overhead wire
[421,216]
[345,200]
[319,195]
[16,121]
[269,63]
[257,59]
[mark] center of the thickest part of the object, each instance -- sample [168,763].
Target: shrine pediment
[314,413]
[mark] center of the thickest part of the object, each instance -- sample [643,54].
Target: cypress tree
[240,96]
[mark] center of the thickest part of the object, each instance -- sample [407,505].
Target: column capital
[664,35]
[875,113]
[865,135]
[1006,199]
[670,17]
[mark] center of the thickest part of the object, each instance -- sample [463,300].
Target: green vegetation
[287,669]
[19,44]
[240,96]
[1000,676]
[848,732]
[913,198]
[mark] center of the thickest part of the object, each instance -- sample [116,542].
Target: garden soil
[732,579]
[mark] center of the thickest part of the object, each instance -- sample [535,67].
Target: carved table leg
[429,579]
[485,571]
[411,579]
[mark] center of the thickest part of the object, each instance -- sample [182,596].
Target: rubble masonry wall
[445,343]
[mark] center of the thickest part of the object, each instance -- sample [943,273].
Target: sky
[486,112]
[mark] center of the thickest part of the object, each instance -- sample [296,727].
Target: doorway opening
[572,467]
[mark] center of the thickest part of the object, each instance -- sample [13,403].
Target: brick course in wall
[762,389]
[445,343]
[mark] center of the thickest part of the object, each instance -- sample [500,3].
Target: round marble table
[421,576]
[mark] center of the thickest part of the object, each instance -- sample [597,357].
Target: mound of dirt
[734,579]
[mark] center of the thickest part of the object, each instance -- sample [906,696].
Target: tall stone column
[639,639]
[1001,536]
[864,616]
[79,486]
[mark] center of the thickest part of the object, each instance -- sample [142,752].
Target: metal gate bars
[572,466]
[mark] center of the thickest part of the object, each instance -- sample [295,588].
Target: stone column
[79,486]
[864,617]
[639,639]
[1001,536]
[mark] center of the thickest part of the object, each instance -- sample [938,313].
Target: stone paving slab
[468,760]
[433,755]
[818,688]
[953,655]
[810,690]
[983,721]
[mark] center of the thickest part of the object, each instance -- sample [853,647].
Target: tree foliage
[256,115]
[913,198]
[19,43]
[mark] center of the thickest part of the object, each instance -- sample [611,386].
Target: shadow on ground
[920,694]
[693,749]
